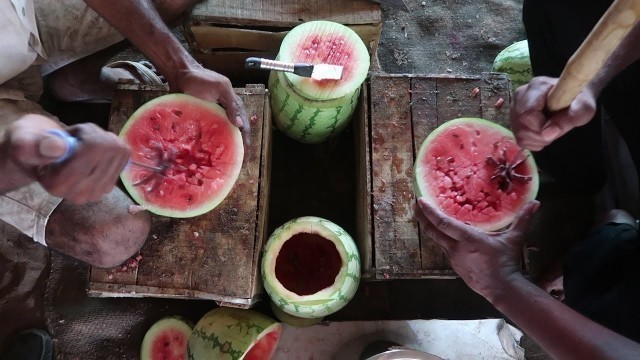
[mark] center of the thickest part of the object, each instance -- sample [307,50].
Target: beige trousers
[68,31]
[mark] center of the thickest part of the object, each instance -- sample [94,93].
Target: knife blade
[396,4]
[314,71]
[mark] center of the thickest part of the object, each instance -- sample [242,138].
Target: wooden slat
[496,86]
[456,100]
[424,112]
[286,12]
[434,100]
[211,256]
[395,229]
[363,186]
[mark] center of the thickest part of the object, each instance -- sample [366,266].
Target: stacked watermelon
[308,110]
[515,62]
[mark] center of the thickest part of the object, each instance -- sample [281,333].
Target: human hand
[533,127]
[211,86]
[91,172]
[483,260]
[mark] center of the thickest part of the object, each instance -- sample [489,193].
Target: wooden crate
[403,110]
[213,256]
[223,33]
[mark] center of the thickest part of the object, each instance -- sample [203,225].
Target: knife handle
[267,64]
[70,140]
[585,63]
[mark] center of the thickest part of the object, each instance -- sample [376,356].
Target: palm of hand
[483,260]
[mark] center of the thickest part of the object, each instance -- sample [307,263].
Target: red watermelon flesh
[167,339]
[265,347]
[201,150]
[456,169]
[326,42]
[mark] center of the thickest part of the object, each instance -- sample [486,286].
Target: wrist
[179,67]
[501,290]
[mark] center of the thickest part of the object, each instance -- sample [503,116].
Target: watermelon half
[309,110]
[201,152]
[458,170]
[310,267]
[234,334]
[514,60]
[166,340]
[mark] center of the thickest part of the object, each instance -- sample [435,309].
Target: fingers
[430,231]
[528,113]
[533,127]
[446,224]
[580,112]
[92,171]
[523,219]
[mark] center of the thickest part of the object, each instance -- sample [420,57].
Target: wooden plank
[264,190]
[424,113]
[364,236]
[455,98]
[496,86]
[286,12]
[211,256]
[229,257]
[395,228]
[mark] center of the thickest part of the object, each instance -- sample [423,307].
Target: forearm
[624,55]
[562,332]
[148,33]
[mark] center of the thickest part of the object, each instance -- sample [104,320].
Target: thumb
[39,148]
[52,147]
[523,219]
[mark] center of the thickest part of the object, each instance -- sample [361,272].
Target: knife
[396,4]
[72,144]
[314,71]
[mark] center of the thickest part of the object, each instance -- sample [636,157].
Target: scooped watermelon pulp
[458,170]
[200,150]
[166,340]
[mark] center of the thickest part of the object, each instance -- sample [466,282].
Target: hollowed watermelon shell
[204,149]
[234,334]
[452,172]
[310,267]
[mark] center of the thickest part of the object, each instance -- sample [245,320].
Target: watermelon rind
[234,171]
[357,65]
[292,320]
[326,301]
[305,120]
[170,322]
[515,61]
[424,190]
[228,334]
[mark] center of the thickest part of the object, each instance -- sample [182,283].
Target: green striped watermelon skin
[228,334]
[516,63]
[348,284]
[308,121]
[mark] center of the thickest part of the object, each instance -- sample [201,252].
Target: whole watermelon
[515,62]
